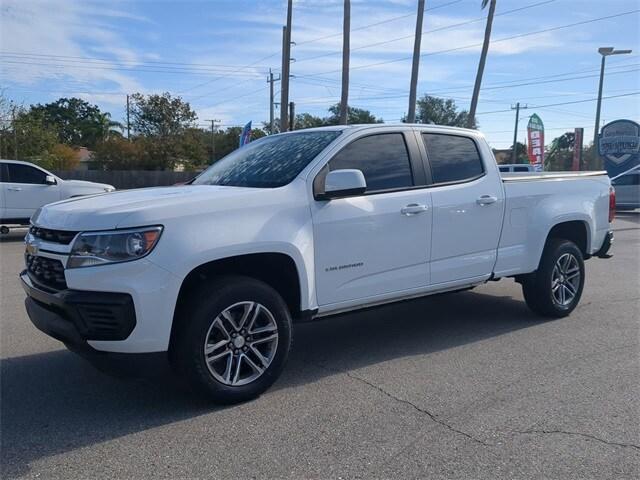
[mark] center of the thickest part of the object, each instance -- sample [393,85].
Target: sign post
[577,149]
[619,146]
[535,135]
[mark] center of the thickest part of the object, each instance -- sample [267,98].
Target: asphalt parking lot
[470,385]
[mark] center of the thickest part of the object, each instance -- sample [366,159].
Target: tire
[214,316]
[554,290]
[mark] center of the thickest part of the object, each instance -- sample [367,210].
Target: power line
[118,62]
[182,71]
[504,39]
[426,32]
[363,27]
[565,103]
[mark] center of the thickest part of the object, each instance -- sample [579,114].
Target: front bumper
[60,315]
[75,317]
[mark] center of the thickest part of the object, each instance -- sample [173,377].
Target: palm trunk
[483,58]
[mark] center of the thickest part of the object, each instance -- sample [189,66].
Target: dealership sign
[619,146]
[535,135]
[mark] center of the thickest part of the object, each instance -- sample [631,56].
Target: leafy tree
[560,153]
[76,121]
[29,135]
[354,116]
[521,153]
[441,111]
[160,115]
[118,154]
[306,120]
[60,157]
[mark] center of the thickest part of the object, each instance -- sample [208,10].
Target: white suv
[25,187]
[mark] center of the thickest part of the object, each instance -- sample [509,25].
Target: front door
[26,190]
[376,243]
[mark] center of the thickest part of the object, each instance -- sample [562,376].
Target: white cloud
[70,29]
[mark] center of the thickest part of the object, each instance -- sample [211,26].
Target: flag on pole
[245,136]
[535,135]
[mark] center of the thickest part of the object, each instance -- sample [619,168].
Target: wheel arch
[276,269]
[577,231]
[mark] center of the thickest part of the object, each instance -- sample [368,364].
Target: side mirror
[344,183]
[50,180]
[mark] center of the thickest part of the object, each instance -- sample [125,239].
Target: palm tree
[483,59]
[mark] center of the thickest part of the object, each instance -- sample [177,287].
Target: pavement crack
[423,411]
[579,434]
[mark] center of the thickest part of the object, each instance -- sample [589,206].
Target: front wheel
[233,340]
[554,290]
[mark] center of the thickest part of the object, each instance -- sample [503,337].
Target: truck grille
[55,236]
[46,271]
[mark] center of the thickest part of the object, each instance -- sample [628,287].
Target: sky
[217,55]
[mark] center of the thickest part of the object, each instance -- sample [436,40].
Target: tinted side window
[626,180]
[504,169]
[25,174]
[520,169]
[383,159]
[3,173]
[452,158]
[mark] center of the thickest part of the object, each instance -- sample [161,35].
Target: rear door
[26,190]
[370,245]
[468,207]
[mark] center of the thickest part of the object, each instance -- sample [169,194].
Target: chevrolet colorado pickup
[298,226]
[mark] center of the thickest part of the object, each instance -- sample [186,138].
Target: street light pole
[605,52]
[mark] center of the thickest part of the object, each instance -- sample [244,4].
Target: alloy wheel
[241,343]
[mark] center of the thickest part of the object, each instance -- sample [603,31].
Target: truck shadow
[54,402]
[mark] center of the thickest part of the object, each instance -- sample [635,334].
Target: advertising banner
[535,135]
[577,149]
[619,146]
[245,136]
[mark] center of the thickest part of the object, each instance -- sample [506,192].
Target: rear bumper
[606,246]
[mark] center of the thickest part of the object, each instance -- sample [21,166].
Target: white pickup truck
[299,226]
[25,187]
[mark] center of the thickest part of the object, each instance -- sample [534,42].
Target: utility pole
[346,34]
[292,115]
[213,140]
[514,151]
[270,81]
[411,117]
[15,134]
[286,65]
[128,123]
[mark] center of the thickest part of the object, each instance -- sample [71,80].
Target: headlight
[98,248]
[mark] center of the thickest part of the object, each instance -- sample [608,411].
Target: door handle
[14,189]
[486,200]
[413,209]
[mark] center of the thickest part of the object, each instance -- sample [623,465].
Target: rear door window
[452,158]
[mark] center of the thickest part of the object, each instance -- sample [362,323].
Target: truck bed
[535,176]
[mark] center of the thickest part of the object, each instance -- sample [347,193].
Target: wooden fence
[123,179]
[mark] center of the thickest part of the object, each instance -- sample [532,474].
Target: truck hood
[145,206]
[98,187]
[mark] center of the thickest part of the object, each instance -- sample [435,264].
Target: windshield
[270,162]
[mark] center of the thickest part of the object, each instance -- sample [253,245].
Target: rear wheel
[233,339]
[554,290]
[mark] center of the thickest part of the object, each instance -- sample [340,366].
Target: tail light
[612,204]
